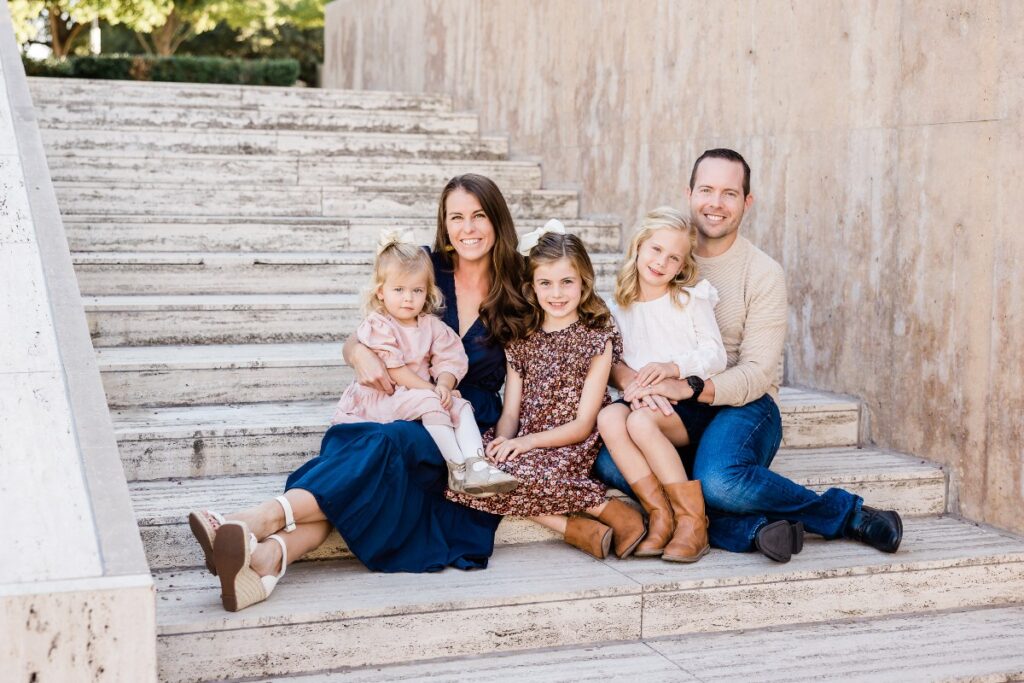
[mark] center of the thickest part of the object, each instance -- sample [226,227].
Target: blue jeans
[740,492]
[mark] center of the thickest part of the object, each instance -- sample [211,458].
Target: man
[749,506]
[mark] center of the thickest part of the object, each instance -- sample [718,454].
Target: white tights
[456,444]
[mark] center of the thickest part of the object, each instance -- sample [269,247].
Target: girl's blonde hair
[627,284]
[552,247]
[394,253]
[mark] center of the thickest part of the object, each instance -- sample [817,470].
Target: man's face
[717,203]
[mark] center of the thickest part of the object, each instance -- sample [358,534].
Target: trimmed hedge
[184,69]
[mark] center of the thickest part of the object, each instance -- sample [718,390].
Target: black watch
[697,384]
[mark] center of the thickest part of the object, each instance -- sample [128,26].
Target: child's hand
[652,373]
[502,449]
[445,394]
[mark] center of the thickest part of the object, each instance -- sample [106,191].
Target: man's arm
[764,335]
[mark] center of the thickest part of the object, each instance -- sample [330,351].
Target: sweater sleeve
[708,356]
[764,334]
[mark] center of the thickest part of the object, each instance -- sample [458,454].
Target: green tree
[59,24]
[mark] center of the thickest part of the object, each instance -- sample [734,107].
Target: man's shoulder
[761,264]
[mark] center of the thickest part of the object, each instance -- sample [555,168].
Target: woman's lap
[382,487]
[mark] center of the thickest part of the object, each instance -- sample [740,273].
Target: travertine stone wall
[76,596]
[885,139]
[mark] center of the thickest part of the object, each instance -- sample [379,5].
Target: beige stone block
[15,216]
[42,491]
[28,343]
[943,300]
[103,632]
[951,61]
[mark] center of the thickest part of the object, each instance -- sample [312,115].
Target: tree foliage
[161,26]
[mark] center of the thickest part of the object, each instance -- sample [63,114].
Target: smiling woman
[382,485]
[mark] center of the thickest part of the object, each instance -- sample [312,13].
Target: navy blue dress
[382,485]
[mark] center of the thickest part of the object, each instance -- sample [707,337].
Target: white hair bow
[390,236]
[530,239]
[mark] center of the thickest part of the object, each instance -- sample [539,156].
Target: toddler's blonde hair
[393,253]
[627,284]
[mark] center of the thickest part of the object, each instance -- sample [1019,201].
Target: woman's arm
[370,369]
[577,429]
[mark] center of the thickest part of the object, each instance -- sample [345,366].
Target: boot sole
[229,556]
[649,553]
[686,559]
[632,548]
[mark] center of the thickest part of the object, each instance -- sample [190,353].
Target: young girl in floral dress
[425,359]
[556,385]
[666,315]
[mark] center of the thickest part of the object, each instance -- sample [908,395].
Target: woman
[382,485]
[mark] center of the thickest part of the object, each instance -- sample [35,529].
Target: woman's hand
[502,449]
[652,373]
[370,370]
[445,394]
[658,396]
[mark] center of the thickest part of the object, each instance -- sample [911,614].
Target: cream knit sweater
[751,314]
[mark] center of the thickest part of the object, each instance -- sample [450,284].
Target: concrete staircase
[221,234]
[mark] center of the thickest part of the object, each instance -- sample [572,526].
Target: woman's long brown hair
[503,310]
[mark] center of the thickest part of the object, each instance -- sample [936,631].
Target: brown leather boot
[627,526]
[659,512]
[588,535]
[690,541]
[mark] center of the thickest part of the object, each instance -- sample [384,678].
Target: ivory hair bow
[390,236]
[530,239]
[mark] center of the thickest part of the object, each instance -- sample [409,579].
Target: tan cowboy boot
[588,535]
[690,541]
[627,526]
[659,511]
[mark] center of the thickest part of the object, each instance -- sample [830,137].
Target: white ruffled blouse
[660,331]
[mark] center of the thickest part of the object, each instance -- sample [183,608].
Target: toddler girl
[555,386]
[667,320]
[417,347]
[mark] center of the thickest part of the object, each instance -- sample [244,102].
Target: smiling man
[749,506]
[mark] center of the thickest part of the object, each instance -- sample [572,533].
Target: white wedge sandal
[240,585]
[205,533]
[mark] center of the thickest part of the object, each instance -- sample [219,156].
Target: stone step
[132,143]
[134,93]
[118,233]
[428,174]
[257,200]
[91,115]
[336,614]
[884,479]
[228,373]
[983,644]
[266,438]
[104,273]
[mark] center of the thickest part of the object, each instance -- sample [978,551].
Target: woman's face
[469,229]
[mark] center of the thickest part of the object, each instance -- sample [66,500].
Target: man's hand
[445,394]
[502,449]
[370,370]
[652,373]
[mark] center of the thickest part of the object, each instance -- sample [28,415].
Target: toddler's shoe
[484,479]
[456,476]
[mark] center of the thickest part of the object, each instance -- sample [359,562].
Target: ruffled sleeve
[446,351]
[708,356]
[599,339]
[379,334]
[515,355]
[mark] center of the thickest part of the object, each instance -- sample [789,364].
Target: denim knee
[724,489]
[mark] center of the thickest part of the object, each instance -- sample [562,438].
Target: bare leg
[554,522]
[660,434]
[266,559]
[611,423]
[268,517]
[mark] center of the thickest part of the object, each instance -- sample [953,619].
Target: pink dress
[428,349]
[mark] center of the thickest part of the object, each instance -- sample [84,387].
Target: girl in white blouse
[667,320]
